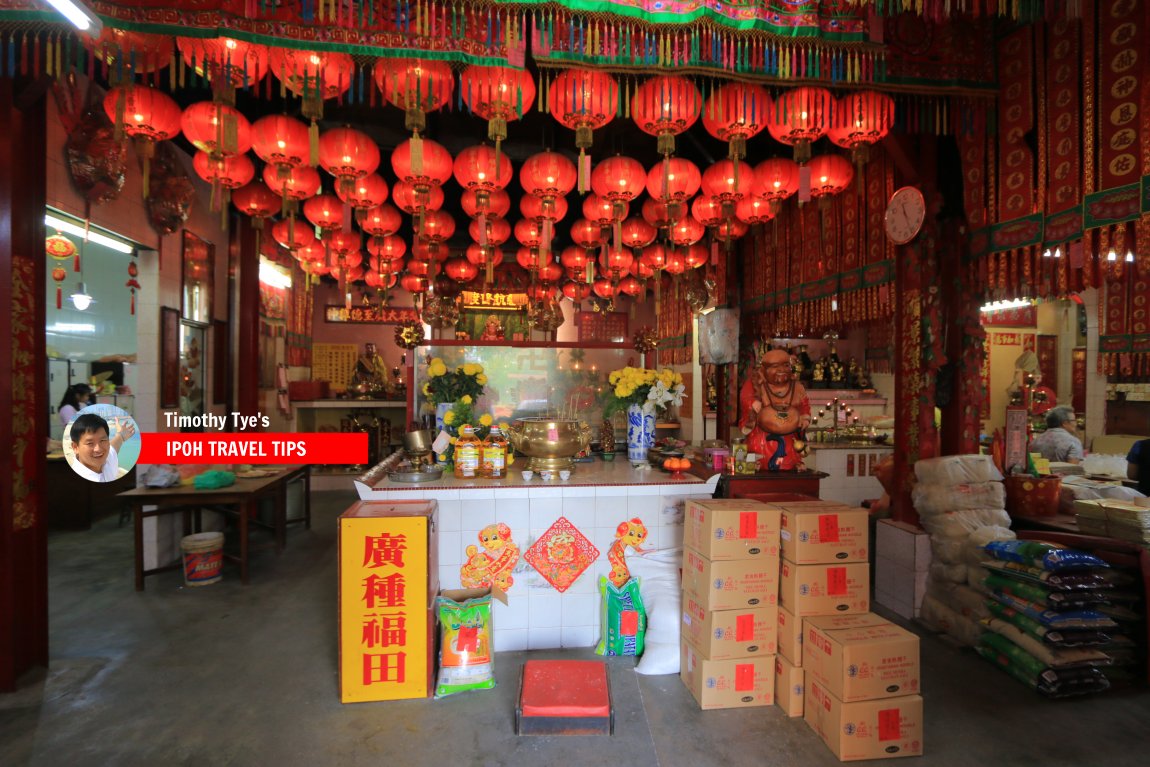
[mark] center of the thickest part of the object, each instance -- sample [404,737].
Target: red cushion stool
[564,697]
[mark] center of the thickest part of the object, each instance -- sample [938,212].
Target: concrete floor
[238,675]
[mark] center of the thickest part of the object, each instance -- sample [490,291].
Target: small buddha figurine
[836,373]
[797,363]
[819,375]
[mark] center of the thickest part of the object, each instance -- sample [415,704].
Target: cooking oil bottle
[494,455]
[467,453]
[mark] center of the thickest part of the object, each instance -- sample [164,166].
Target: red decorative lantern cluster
[776,180]
[425,165]
[673,182]
[548,176]
[349,155]
[861,120]
[417,86]
[226,62]
[147,116]
[735,113]
[830,175]
[498,95]
[282,142]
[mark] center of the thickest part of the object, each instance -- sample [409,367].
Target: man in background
[1059,443]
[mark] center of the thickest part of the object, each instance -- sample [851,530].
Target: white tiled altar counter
[595,500]
[847,467]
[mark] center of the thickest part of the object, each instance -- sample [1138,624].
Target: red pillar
[248,312]
[23,397]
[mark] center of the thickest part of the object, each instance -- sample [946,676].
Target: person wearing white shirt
[76,398]
[95,457]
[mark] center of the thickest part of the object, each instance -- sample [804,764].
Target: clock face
[904,215]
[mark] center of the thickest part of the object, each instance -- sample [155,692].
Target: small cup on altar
[546,476]
[565,474]
[527,474]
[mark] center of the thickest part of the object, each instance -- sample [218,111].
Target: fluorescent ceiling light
[78,231]
[77,13]
[271,275]
[72,327]
[998,306]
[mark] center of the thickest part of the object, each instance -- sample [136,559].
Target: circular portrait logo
[102,443]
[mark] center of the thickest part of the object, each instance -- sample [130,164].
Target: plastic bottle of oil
[467,453]
[493,462]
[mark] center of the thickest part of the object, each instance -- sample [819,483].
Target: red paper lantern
[675,180]
[482,169]
[530,258]
[294,238]
[722,181]
[347,154]
[687,231]
[776,180]
[257,201]
[147,115]
[576,291]
[573,258]
[226,61]
[227,172]
[418,268]
[481,256]
[830,174]
[416,86]
[654,257]
[365,193]
[380,280]
[381,221]
[438,226]
[387,248]
[676,263]
[498,95]
[317,75]
[586,234]
[217,129]
[660,214]
[461,270]
[547,175]
[583,100]
[730,229]
[696,256]
[59,274]
[424,165]
[754,210]
[324,211]
[638,233]
[405,196]
[735,113]
[862,119]
[493,231]
[800,116]
[604,289]
[343,243]
[619,180]
[299,183]
[310,254]
[497,204]
[541,210]
[631,286]
[642,270]
[708,211]
[616,261]
[550,272]
[281,142]
[602,212]
[666,106]
[529,233]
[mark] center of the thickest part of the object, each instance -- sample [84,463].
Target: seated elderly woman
[1058,442]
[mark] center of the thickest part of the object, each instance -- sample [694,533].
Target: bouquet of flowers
[463,412]
[653,390]
[443,385]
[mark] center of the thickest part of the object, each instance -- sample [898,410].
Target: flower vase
[640,435]
[443,460]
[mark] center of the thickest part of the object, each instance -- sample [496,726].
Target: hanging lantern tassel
[658,293]
[497,131]
[737,150]
[416,154]
[313,144]
[483,230]
[490,260]
[145,150]
[617,233]
[590,271]
[584,170]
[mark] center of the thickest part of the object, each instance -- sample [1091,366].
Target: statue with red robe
[773,412]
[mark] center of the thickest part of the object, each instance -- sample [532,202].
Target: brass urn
[550,444]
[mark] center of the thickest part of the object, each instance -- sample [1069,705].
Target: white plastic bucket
[203,558]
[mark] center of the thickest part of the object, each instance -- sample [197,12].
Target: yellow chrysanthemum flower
[427,389]
[449,417]
[437,369]
[485,420]
[465,399]
[481,379]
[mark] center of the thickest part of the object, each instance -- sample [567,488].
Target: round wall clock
[904,215]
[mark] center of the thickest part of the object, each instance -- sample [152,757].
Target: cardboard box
[813,535]
[733,528]
[789,692]
[899,589]
[731,584]
[872,729]
[824,589]
[736,683]
[861,657]
[724,634]
[904,545]
[790,636]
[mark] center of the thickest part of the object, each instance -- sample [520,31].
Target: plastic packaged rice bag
[957,470]
[1042,555]
[1055,619]
[466,661]
[939,499]
[1068,581]
[1072,637]
[977,540]
[623,619]
[1055,657]
[1054,683]
[1043,595]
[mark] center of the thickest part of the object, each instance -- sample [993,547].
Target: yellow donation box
[388,581]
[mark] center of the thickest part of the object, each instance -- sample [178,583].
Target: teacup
[546,475]
[565,475]
[527,474]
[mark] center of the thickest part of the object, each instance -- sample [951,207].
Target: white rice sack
[939,499]
[958,525]
[957,470]
[950,573]
[977,540]
[1105,465]
[938,617]
[948,551]
[662,593]
[969,602]
[975,579]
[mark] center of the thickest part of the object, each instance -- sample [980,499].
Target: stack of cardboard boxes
[730,602]
[852,675]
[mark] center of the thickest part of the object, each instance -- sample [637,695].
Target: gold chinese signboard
[369,315]
[498,301]
[388,579]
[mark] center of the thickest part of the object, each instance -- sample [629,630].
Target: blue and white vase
[640,434]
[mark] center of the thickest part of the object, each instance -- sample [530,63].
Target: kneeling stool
[564,697]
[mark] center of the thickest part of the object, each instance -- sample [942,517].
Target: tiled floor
[237,675]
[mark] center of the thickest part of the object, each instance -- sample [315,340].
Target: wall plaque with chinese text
[473,299]
[369,314]
[608,327]
[1016,439]
[387,582]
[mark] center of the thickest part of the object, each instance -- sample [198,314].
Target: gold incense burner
[549,443]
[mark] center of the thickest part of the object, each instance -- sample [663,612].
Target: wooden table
[239,499]
[804,482]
